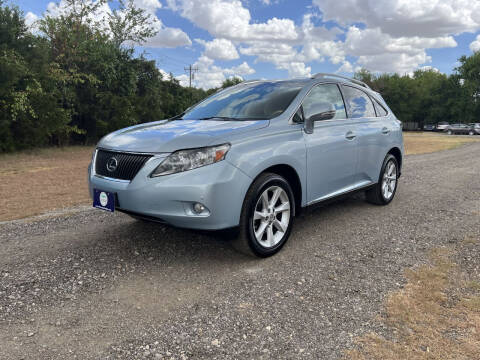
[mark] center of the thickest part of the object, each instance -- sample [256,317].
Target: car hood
[167,136]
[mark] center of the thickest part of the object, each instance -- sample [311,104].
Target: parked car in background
[474,129]
[442,126]
[429,127]
[251,156]
[458,129]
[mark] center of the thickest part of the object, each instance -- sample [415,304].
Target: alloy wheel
[271,216]
[389,180]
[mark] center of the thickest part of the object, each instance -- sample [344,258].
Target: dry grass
[428,142]
[38,181]
[435,316]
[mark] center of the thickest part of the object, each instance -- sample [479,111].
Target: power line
[191,71]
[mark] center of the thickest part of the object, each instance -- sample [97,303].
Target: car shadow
[138,240]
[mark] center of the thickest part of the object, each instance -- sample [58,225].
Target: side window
[380,109]
[358,102]
[298,117]
[324,102]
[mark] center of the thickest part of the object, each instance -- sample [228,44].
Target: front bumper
[220,187]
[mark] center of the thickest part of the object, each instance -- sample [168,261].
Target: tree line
[75,79]
[430,97]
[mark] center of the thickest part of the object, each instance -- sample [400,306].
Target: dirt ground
[38,181]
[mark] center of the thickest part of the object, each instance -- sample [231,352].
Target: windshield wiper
[219,117]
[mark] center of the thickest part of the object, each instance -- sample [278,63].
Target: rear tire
[267,216]
[384,191]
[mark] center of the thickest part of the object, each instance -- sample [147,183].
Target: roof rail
[326,75]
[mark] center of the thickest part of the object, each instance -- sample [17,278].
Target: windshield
[246,102]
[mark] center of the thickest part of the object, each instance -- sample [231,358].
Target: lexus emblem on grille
[112,164]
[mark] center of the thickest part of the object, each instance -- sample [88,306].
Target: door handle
[350,135]
[385,131]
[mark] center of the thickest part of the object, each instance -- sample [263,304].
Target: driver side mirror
[319,111]
[325,115]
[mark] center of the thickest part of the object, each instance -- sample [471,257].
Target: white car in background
[474,129]
[442,126]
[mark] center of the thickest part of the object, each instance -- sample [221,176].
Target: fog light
[198,208]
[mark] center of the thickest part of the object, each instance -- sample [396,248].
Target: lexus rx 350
[251,157]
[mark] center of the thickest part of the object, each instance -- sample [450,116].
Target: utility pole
[191,72]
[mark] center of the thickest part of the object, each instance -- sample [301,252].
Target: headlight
[184,160]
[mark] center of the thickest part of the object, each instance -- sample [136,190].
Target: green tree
[30,112]
[468,77]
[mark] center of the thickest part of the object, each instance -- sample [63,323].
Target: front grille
[127,165]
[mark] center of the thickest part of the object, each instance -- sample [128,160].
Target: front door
[331,148]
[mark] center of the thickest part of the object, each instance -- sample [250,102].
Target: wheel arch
[398,155]
[291,175]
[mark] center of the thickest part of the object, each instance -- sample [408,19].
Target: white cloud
[297,69]
[169,38]
[165,75]
[475,45]
[220,49]
[430,18]
[398,32]
[151,6]
[240,70]
[345,68]
[429,68]
[388,62]
[30,21]
[229,19]
[380,52]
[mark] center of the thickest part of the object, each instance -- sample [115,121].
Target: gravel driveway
[96,285]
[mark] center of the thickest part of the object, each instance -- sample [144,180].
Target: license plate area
[103,200]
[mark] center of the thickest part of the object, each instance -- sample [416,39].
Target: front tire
[384,191]
[267,216]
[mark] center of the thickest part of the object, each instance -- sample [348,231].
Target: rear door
[332,147]
[373,132]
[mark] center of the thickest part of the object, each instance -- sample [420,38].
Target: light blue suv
[251,157]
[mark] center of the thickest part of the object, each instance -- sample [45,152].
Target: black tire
[246,241]
[375,195]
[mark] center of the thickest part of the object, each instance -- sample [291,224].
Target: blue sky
[280,38]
